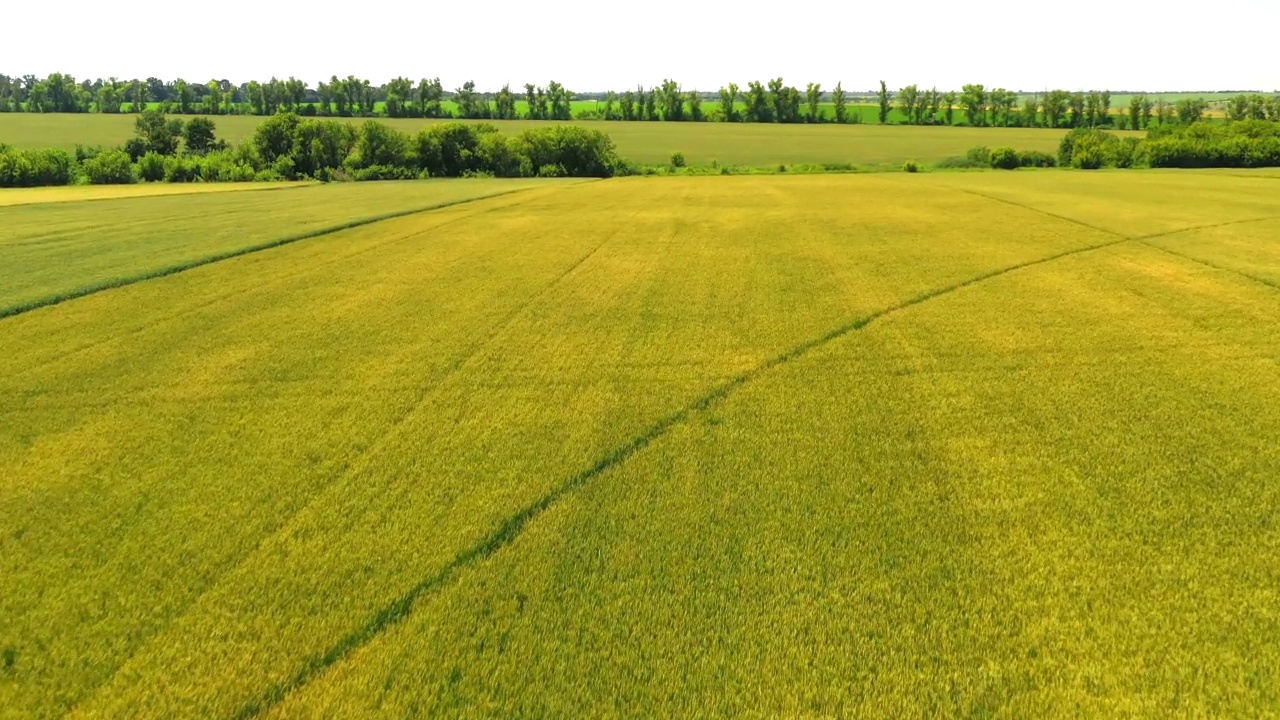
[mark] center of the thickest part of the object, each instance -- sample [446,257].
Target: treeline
[1063,109]
[771,101]
[290,147]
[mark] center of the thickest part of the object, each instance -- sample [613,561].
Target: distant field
[644,142]
[940,445]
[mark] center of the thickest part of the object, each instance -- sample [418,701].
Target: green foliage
[980,156]
[199,135]
[151,167]
[377,144]
[158,133]
[34,168]
[113,167]
[1243,144]
[580,151]
[275,137]
[181,169]
[910,166]
[1036,159]
[1005,158]
[677,159]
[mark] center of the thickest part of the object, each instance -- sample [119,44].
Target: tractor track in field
[415,404]
[87,290]
[511,528]
[378,245]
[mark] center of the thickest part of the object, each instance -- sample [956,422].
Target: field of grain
[868,445]
[750,144]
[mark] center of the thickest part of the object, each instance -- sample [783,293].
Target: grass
[649,143]
[882,445]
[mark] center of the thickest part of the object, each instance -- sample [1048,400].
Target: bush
[1036,158]
[551,171]
[579,151]
[980,156]
[379,145]
[113,167]
[385,172]
[151,167]
[960,162]
[178,169]
[1005,158]
[677,160]
[910,166]
[34,168]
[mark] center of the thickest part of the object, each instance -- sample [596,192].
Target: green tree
[974,100]
[1055,107]
[199,135]
[399,99]
[908,98]
[693,100]
[949,106]
[212,104]
[468,101]
[932,102]
[111,96]
[1031,112]
[531,101]
[671,100]
[1191,110]
[1136,103]
[186,96]
[505,104]
[729,102]
[758,109]
[159,133]
[1076,109]
[138,97]
[813,98]
[840,101]
[885,97]
[627,105]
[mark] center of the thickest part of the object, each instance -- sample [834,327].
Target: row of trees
[770,101]
[288,146]
[1058,108]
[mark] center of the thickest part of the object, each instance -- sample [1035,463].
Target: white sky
[595,45]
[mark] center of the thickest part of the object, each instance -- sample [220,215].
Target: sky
[590,46]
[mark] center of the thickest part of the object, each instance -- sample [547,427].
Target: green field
[651,143]
[938,445]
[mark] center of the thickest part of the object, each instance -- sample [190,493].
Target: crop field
[643,142]
[884,445]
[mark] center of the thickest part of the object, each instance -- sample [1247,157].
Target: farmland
[642,142]
[965,444]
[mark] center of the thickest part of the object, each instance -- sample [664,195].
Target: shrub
[178,169]
[980,156]
[113,167]
[579,151]
[551,171]
[1005,158]
[677,160]
[385,172]
[34,168]
[379,145]
[910,166]
[960,162]
[151,167]
[1036,158]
